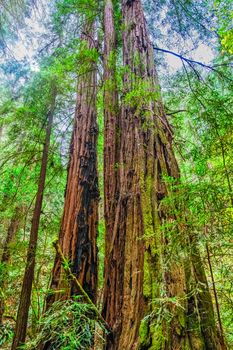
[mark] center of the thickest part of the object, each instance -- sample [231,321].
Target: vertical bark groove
[112,297]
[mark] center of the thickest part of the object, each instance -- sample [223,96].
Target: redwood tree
[146,158]
[114,245]
[78,231]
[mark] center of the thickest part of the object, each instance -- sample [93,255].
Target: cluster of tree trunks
[144,280]
[140,267]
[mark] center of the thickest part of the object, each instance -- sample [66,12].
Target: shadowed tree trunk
[11,233]
[25,296]
[78,231]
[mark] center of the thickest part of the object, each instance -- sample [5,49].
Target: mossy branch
[72,277]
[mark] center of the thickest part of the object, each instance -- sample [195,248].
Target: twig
[73,278]
[9,317]
[175,112]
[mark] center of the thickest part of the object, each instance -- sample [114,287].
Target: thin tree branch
[175,112]
[71,276]
[183,58]
[191,62]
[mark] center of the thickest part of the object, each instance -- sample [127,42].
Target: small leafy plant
[68,325]
[6,333]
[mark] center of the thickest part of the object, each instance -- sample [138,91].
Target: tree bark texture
[146,157]
[25,296]
[114,244]
[78,231]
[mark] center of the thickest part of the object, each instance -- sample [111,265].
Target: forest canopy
[116,168]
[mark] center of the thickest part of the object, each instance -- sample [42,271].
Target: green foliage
[141,92]
[6,333]
[74,11]
[68,325]
[204,148]
[224,11]
[23,121]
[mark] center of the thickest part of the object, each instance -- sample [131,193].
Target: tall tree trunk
[113,267]
[212,339]
[78,231]
[11,232]
[25,297]
[146,156]
[222,338]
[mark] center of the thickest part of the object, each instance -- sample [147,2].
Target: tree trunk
[114,245]
[146,157]
[78,231]
[221,336]
[25,297]
[212,339]
[11,233]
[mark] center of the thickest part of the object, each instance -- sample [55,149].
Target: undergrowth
[68,325]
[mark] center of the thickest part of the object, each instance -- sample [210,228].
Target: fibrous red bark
[78,231]
[114,244]
[146,158]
